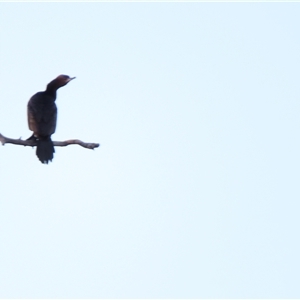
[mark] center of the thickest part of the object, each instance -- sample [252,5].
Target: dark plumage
[42,115]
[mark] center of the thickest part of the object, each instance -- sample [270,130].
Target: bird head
[63,80]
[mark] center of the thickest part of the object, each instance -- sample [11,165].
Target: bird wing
[42,114]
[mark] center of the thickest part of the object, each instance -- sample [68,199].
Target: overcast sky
[194,191]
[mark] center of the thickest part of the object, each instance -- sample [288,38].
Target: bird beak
[71,78]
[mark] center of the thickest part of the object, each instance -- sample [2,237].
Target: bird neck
[51,93]
[52,87]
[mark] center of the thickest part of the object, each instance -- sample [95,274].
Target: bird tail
[45,149]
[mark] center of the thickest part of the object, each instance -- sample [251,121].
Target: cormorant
[42,114]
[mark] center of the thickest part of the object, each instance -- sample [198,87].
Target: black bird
[42,115]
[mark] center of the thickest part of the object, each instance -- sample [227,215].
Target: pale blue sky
[194,191]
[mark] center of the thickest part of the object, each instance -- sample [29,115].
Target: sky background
[194,191]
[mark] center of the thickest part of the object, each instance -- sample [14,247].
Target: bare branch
[5,140]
